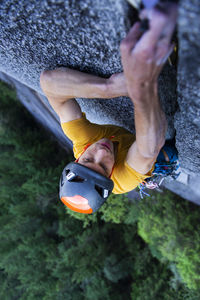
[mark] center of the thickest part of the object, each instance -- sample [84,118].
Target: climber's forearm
[64,83]
[150,122]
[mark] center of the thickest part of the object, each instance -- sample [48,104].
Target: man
[109,157]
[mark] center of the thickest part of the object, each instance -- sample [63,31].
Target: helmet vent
[62,180]
[100,190]
[78,179]
[67,172]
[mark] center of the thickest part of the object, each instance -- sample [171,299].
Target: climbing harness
[167,165]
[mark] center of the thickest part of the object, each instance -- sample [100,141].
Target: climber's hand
[116,84]
[143,56]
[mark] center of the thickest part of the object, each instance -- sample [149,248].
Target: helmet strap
[112,171]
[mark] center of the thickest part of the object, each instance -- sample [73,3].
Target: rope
[162,170]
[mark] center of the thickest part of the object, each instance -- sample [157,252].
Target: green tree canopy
[47,253]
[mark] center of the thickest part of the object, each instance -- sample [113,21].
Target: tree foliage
[47,253]
[172,231]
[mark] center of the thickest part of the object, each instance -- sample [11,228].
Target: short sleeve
[81,132]
[126,178]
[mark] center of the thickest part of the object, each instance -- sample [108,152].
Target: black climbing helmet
[82,189]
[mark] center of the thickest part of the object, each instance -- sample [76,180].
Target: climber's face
[99,157]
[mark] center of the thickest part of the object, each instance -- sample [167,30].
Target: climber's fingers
[155,43]
[162,21]
[129,42]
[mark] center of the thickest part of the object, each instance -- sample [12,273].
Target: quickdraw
[162,170]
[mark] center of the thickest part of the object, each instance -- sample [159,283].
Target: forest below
[145,249]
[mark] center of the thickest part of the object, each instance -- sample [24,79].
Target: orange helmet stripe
[80,207]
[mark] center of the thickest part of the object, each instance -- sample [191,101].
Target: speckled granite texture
[187,119]
[85,35]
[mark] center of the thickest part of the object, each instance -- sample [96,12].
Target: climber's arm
[67,110]
[66,107]
[143,59]
[62,85]
[151,126]
[75,84]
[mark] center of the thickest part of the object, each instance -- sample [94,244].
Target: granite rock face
[85,35]
[187,119]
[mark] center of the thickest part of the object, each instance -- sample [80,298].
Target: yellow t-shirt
[81,132]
